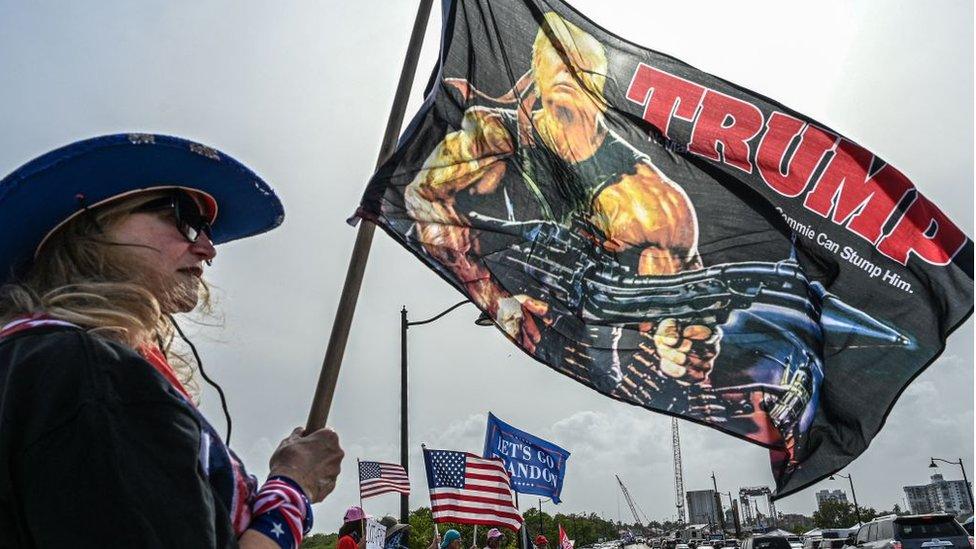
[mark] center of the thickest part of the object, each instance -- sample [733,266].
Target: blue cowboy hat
[52,189]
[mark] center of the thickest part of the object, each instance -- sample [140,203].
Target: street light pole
[857,510]
[404,454]
[540,517]
[969,489]
[405,324]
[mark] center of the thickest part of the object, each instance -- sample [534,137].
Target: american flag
[377,478]
[468,489]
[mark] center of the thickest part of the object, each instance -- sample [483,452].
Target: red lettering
[861,201]
[781,130]
[664,95]
[729,121]
[925,231]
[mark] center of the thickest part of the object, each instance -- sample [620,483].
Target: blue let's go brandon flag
[671,239]
[535,465]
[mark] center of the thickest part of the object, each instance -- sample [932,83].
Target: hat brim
[397,528]
[41,195]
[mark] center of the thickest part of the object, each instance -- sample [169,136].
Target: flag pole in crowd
[359,468]
[437,534]
[523,534]
[325,389]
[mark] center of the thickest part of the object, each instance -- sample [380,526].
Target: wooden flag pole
[318,415]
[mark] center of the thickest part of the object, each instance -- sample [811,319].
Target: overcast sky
[300,92]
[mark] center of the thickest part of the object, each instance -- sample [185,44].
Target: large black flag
[670,239]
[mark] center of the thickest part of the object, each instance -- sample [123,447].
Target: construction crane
[630,502]
[679,481]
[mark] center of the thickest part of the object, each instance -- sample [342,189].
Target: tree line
[587,529]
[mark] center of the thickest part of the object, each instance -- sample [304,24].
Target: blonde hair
[582,54]
[82,277]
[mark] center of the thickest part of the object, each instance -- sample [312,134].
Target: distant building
[939,496]
[701,507]
[827,495]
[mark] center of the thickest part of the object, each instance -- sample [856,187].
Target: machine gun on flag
[567,263]
[567,267]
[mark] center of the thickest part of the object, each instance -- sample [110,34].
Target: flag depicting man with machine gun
[613,247]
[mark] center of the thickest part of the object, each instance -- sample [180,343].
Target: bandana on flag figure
[377,478]
[670,239]
[467,489]
[564,541]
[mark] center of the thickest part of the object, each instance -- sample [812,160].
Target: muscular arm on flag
[473,155]
[647,212]
[471,159]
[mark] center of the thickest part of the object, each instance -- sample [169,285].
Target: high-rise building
[939,495]
[827,495]
[701,507]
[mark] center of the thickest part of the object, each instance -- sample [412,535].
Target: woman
[101,442]
[495,539]
[352,533]
[451,540]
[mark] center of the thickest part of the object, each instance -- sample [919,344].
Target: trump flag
[669,238]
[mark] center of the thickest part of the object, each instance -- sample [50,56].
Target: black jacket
[97,449]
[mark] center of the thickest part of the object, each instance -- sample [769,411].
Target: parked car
[936,531]
[796,542]
[833,543]
[766,542]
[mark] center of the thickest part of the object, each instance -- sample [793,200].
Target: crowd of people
[352,534]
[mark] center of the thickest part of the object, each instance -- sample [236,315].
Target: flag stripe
[483,499]
[385,486]
[443,509]
[467,518]
[487,465]
[495,478]
[377,482]
[371,493]
[495,481]
[380,488]
[468,504]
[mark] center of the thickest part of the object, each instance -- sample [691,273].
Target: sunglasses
[189,219]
